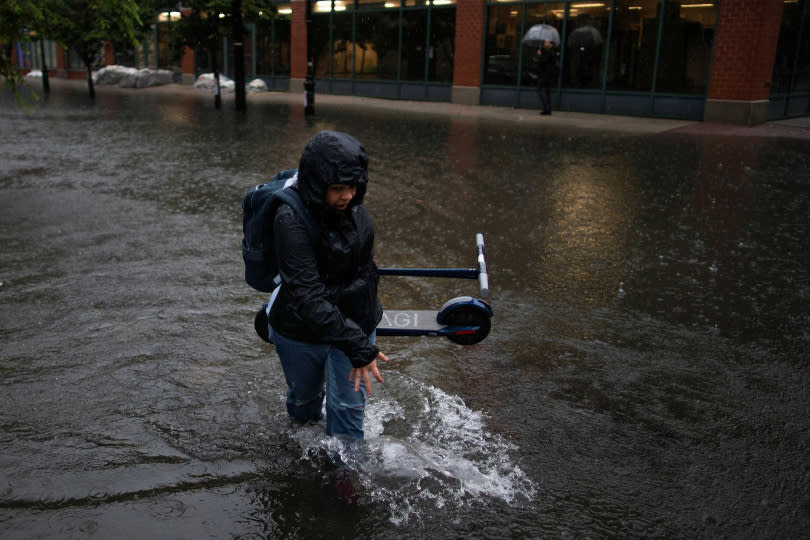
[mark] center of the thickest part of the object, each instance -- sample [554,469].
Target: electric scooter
[464,320]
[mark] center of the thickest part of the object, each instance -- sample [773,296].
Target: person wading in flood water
[324,318]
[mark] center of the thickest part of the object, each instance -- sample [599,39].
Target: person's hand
[359,375]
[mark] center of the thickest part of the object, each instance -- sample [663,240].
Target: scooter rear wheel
[468,315]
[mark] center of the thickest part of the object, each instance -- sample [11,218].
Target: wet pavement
[645,376]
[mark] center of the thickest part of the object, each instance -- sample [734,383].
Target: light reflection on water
[644,375]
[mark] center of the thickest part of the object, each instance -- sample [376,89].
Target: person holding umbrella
[547,70]
[545,64]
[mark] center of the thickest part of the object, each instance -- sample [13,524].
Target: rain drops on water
[620,293]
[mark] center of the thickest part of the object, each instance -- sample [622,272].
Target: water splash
[424,449]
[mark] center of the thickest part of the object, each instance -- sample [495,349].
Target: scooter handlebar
[483,279]
[464,273]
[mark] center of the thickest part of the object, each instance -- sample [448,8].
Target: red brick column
[468,46]
[298,45]
[109,54]
[187,66]
[60,70]
[742,66]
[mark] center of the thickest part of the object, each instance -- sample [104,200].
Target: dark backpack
[259,208]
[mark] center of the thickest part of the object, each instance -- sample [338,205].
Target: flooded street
[646,374]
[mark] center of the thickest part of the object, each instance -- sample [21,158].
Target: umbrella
[540,33]
[585,36]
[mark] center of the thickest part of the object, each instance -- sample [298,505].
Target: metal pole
[237,35]
[46,84]
[309,82]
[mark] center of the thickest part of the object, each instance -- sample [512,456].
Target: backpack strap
[292,198]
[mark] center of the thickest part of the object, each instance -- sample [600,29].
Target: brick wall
[469,42]
[187,62]
[745,48]
[298,40]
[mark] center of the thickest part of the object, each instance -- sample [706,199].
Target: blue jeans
[309,368]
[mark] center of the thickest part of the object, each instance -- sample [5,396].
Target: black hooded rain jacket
[328,292]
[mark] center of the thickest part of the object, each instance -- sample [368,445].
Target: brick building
[737,61]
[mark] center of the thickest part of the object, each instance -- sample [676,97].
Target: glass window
[319,41]
[343,49]
[281,48]
[365,44]
[414,37]
[146,52]
[792,56]
[375,4]
[273,46]
[585,48]
[442,43]
[502,44]
[378,41]
[74,61]
[802,79]
[686,45]
[551,14]
[632,45]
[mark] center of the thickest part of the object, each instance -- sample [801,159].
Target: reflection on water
[644,375]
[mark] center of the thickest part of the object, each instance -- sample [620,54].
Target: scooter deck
[409,323]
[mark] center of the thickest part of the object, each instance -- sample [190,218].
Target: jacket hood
[332,157]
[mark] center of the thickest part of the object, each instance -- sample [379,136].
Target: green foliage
[17,18]
[206,22]
[86,24]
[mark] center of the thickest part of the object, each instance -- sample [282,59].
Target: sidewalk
[797,128]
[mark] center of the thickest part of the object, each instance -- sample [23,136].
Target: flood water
[646,374]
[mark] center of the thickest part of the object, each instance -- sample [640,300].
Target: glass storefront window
[791,69]
[377,39]
[73,60]
[686,45]
[502,44]
[273,46]
[343,48]
[319,41]
[281,47]
[442,43]
[384,39]
[377,4]
[414,38]
[802,79]
[552,14]
[146,52]
[632,45]
[584,44]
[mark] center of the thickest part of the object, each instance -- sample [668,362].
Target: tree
[205,23]
[85,25]
[17,17]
